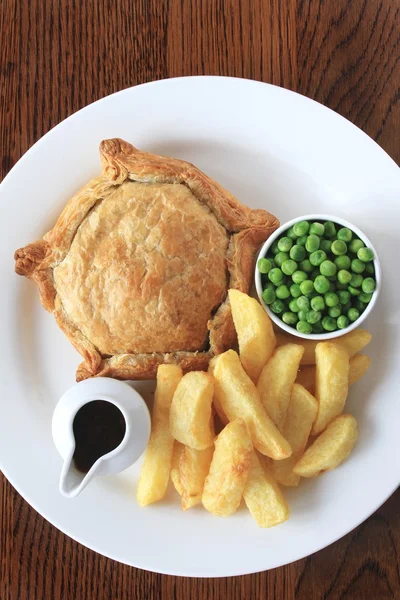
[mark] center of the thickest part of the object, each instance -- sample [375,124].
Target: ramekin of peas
[318,276]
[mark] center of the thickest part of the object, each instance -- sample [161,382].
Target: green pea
[312,295]
[344,296]
[289,318]
[299,276]
[332,286]
[277,306]
[365,254]
[301,241]
[341,286]
[353,314]
[344,276]
[330,229]
[264,265]
[353,290]
[313,316]
[282,292]
[280,258]
[357,266]
[317,258]
[291,234]
[317,303]
[325,245]
[321,284]
[317,327]
[303,303]
[312,243]
[342,322]
[329,323]
[301,228]
[365,297]
[331,299]
[370,269]
[355,245]
[284,244]
[345,234]
[275,275]
[346,307]
[303,327]
[339,248]
[302,314]
[335,311]
[342,262]
[306,287]
[356,280]
[297,253]
[289,266]
[368,285]
[306,266]
[268,296]
[274,248]
[317,229]
[295,290]
[328,268]
[293,306]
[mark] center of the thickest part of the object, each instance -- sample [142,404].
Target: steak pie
[137,268]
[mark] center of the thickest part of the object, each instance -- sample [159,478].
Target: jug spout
[72,481]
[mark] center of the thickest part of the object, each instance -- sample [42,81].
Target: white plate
[273,149]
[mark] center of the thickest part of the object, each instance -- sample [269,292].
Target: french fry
[354,342]
[263,497]
[225,482]
[330,449]
[175,474]
[255,332]
[299,420]
[216,403]
[277,379]
[331,383]
[237,397]
[191,420]
[358,366]
[194,466]
[155,471]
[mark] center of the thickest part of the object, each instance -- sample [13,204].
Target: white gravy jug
[135,435]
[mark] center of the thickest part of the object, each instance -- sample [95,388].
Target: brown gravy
[98,427]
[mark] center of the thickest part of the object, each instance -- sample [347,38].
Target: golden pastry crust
[136,269]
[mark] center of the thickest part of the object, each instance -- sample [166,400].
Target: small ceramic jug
[137,430]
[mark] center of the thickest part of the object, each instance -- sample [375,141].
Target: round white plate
[273,149]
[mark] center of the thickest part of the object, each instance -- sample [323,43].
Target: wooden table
[59,55]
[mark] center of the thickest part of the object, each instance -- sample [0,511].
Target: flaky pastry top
[145,271]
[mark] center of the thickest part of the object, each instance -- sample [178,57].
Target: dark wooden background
[56,56]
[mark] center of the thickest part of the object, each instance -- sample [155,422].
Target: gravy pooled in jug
[99,427]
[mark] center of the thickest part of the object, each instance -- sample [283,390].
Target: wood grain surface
[56,56]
